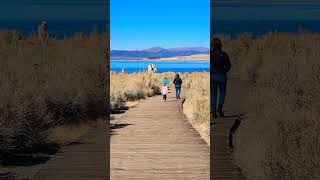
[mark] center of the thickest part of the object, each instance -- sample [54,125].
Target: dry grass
[132,87]
[281,137]
[196,107]
[43,87]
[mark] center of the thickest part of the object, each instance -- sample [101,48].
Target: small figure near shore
[220,64]
[123,71]
[43,33]
[177,82]
[152,68]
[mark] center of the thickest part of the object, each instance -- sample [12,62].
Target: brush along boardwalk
[158,142]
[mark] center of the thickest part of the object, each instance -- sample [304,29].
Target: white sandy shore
[197,57]
[193,58]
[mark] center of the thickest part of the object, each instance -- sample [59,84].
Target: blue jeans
[178,90]
[218,86]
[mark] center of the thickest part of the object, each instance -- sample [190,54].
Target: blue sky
[53,9]
[266,9]
[140,24]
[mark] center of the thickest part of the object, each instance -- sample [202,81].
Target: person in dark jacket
[177,82]
[219,66]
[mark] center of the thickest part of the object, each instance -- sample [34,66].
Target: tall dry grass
[130,87]
[281,137]
[42,87]
[197,103]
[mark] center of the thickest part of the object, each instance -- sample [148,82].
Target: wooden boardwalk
[158,143]
[86,159]
[152,141]
[221,160]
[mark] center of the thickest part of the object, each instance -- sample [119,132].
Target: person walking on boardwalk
[219,66]
[177,82]
[164,92]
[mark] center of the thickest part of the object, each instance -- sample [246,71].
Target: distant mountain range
[157,52]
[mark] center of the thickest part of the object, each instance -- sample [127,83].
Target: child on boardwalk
[164,92]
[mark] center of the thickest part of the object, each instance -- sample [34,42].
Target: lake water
[257,28]
[61,28]
[56,28]
[141,66]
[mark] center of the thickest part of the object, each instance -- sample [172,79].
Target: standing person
[164,92]
[177,82]
[219,66]
[43,33]
[123,71]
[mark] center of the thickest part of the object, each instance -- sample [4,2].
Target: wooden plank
[88,159]
[223,167]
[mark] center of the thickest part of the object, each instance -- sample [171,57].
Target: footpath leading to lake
[155,141]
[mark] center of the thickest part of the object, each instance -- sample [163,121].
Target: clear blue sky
[139,24]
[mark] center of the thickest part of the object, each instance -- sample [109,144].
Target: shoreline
[158,60]
[192,58]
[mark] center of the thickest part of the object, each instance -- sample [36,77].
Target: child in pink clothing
[164,92]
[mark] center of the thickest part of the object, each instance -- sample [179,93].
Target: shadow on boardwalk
[84,159]
[223,166]
[114,124]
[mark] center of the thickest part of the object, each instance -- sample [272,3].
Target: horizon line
[141,49]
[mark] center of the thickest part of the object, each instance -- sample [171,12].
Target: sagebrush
[46,86]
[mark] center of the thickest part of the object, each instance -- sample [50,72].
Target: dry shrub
[281,137]
[130,87]
[42,87]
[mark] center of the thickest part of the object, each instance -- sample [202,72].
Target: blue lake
[141,66]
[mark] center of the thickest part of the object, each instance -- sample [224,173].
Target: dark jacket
[177,81]
[219,62]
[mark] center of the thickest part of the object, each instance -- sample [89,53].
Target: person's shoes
[213,116]
[221,114]
[177,97]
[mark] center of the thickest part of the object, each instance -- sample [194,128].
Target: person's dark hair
[177,75]
[216,44]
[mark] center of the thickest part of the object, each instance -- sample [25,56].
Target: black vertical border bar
[107,85]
